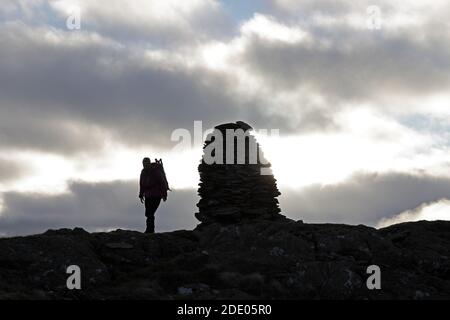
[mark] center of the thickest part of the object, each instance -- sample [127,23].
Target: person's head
[146,162]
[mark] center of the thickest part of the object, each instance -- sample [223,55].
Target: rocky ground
[280,259]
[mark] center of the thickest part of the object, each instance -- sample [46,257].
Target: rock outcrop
[238,187]
[261,259]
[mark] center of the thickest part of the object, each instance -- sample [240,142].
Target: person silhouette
[153,187]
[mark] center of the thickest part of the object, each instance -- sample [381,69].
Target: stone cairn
[234,192]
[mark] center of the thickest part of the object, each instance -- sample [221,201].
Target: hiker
[153,188]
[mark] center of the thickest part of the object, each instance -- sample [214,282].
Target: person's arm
[141,187]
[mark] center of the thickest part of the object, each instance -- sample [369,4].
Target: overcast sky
[360,95]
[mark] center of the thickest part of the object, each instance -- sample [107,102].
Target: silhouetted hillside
[280,259]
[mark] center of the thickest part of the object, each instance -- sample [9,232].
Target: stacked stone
[233,192]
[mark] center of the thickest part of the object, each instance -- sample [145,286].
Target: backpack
[160,166]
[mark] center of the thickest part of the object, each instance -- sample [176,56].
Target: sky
[358,91]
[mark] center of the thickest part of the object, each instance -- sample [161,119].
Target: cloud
[25,9]
[363,199]
[350,65]
[348,98]
[43,131]
[276,74]
[269,29]
[161,22]
[86,81]
[303,66]
[438,210]
[418,11]
[102,206]
[10,170]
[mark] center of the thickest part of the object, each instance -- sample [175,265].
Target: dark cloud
[363,199]
[46,85]
[93,207]
[358,66]
[38,131]
[52,81]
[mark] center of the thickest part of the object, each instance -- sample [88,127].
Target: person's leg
[150,221]
[151,205]
[150,225]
